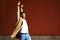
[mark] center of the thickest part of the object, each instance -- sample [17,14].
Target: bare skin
[19,22]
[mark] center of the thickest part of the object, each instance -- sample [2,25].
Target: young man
[21,25]
[24,34]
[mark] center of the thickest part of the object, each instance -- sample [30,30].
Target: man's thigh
[22,37]
[28,37]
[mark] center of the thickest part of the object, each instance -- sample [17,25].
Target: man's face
[24,15]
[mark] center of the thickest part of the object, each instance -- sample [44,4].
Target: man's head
[23,15]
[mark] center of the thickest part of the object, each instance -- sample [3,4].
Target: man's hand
[18,3]
[22,6]
[13,36]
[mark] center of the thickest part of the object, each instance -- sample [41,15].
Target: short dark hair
[21,14]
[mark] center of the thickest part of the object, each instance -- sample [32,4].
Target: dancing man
[22,25]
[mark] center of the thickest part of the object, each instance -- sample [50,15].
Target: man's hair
[21,14]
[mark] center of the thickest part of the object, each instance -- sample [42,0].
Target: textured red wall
[43,16]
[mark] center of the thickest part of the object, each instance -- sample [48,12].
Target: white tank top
[24,27]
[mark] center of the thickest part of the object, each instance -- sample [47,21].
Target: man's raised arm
[18,12]
[19,22]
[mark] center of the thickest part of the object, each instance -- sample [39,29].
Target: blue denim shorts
[24,36]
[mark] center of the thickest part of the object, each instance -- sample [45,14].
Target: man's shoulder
[20,18]
[23,19]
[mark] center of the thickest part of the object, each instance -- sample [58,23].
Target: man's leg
[28,37]
[22,37]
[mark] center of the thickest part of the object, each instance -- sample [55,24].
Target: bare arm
[18,12]
[17,29]
[21,8]
[18,23]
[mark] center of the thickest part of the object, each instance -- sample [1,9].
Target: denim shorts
[24,36]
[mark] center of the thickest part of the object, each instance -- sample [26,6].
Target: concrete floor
[33,38]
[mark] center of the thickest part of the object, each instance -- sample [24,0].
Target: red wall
[43,16]
[7,16]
